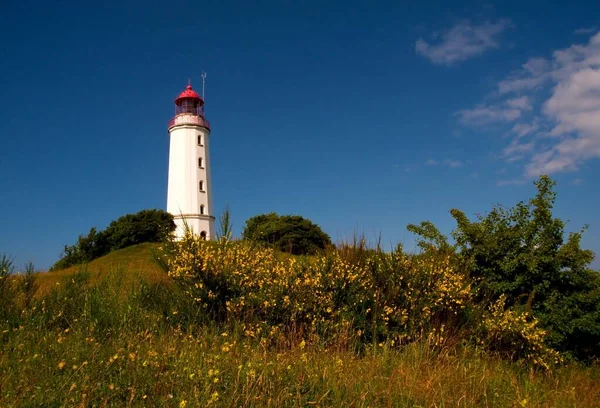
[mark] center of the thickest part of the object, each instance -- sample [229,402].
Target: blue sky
[362,116]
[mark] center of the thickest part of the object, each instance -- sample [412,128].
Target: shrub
[143,226]
[350,297]
[520,254]
[87,248]
[516,335]
[128,230]
[288,233]
[384,296]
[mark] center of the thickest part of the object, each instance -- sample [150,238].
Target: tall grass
[114,342]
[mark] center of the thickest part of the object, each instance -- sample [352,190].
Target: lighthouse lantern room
[189,197]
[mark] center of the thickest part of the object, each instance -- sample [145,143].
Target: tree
[87,248]
[143,226]
[521,252]
[130,229]
[288,233]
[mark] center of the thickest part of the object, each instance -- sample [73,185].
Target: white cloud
[461,42]
[447,162]
[483,115]
[569,109]
[453,163]
[516,150]
[521,103]
[515,182]
[577,182]
[537,66]
[510,110]
[585,30]
[574,108]
[533,75]
[524,129]
[548,162]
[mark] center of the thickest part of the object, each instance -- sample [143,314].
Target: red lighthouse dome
[188,95]
[189,109]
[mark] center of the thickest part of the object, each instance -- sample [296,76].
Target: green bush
[521,254]
[288,233]
[516,335]
[369,297]
[143,226]
[128,230]
[87,248]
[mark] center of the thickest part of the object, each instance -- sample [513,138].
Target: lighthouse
[189,197]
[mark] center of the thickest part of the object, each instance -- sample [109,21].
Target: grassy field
[121,334]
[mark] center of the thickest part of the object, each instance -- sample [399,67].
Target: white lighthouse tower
[189,196]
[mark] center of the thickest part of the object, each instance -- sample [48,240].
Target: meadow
[231,324]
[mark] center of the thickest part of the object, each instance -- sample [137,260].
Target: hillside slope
[107,339]
[133,262]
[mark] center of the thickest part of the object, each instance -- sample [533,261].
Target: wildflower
[214,397]
[61,365]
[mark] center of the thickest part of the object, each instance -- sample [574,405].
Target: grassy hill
[118,332]
[133,263]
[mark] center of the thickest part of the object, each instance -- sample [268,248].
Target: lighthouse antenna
[203,82]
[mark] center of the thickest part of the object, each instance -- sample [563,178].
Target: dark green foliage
[522,252]
[128,230]
[288,233]
[143,226]
[87,248]
[429,238]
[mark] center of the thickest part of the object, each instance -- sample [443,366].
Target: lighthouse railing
[187,119]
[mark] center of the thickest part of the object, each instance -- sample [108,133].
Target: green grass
[135,262]
[121,335]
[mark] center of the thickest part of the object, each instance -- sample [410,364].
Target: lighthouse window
[199,140]
[200,162]
[202,209]
[201,185]
[203,235]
